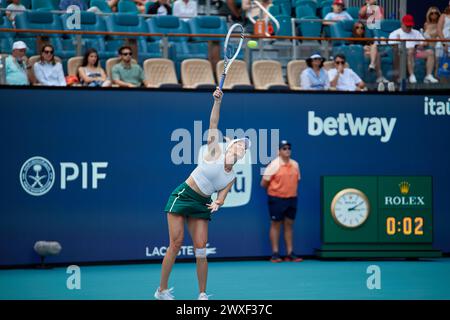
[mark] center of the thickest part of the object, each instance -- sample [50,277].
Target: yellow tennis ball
[252,44]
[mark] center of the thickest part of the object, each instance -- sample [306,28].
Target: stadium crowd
[48,70]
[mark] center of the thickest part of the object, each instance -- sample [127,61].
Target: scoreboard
[376,217]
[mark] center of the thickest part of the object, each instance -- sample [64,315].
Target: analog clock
[350,208]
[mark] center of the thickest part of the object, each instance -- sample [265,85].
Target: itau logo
[37,176]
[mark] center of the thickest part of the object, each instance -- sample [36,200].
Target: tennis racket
[231,49]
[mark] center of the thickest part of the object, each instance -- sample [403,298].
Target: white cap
[19,45]
[247,142]
[316,56]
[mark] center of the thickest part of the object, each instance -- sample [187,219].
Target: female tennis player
[191,201]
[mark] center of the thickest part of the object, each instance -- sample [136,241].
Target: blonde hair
[427,17]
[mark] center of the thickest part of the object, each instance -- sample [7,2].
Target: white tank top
[210,176]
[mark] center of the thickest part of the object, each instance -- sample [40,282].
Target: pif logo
[37,175]
[239,194]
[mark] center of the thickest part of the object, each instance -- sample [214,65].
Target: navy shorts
[280,208]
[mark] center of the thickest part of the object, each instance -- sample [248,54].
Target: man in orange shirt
[281,179]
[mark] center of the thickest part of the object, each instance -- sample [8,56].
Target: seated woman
[315,77]
[370,50]
[47,71]
[91,74]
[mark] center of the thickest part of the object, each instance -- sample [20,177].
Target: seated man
[17,66]
[338,13]
[126,73]
[415,49]
[160,8]
[342,78]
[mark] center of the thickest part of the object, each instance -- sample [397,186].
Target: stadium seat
[285,26]
[342,29]
[294,70]
[127,6]
[275,10]
[310,28]
[310,3]
[6,38]
[42,5]
[41,20]
[208,25]
[197,73]
[386,27]
[267,75]
[354,12]
[89,21]
[160,73]
[237,76]
[73,64]
[326,8]
[386,52]
[304,11]
[101,5]
[180,47]
[126,22]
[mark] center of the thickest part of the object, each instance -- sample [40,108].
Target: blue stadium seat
[208,25]
[312,4]
[6,38]
[39,20]
[127,22]
[304,11]
[310,28]
[275,9]
[386,27]
[354,12]
[180,47]
[285,26]
[42,5]
[89,22]
[127,6]
[325,8]
[341,29]
[101,5]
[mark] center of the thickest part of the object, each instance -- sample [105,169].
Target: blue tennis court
[311,279]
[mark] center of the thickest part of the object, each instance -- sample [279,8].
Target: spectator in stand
[47,71]
[339,13]
[64,4]
[430,29]
[90,72]
[443,27]
[416,49]
[126,73]
[238,9]
[11,15]
[315,77]
[160,8]
[370,50]
[185,9]
[342,78]
[17,66]
[371,12]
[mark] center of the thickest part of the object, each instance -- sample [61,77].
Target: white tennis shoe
[203,296]
[164,294]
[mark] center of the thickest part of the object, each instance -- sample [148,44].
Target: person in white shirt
[342,78]
[185,9]
[48,72]
[415,49]
[338,13]
[15,5]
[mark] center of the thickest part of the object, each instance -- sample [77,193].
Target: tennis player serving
[191,201]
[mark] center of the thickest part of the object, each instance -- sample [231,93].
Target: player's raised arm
[213,133]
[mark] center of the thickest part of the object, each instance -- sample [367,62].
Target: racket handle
[222,80]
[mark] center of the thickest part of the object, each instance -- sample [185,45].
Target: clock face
[350,208]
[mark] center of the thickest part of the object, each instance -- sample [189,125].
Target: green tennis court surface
[311,279]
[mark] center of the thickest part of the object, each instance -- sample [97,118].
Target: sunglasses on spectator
[434,12]
[339,62]
[48,51]
[127,53]
[286,148]
[359,27]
